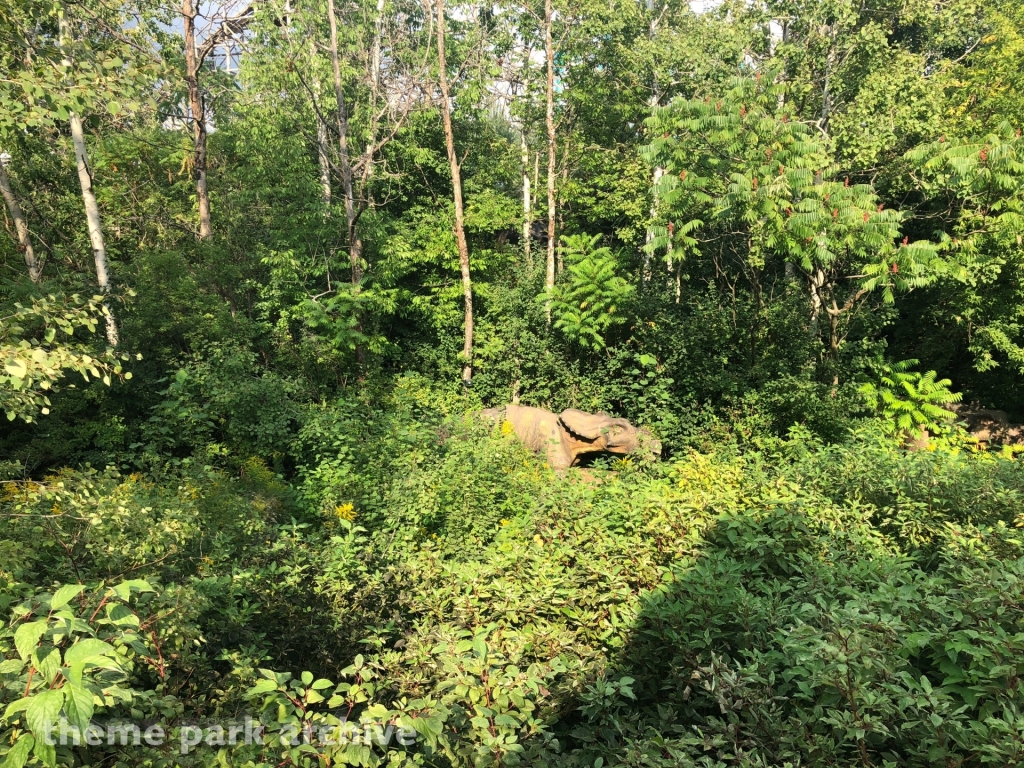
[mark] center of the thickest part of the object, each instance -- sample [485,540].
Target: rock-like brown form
[989,426]
[563,438]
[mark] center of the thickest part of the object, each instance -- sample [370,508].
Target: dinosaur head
[600,432]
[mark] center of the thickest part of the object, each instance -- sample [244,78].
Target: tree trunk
[92,217]
[355,245]
[815,284]
[35,269]
[325,167]
[653,102]
[527,213]
[378,33]
[322,151]
[524,150]
[92,210]
[549,115]
[646,274]
[460,230]
[198,110]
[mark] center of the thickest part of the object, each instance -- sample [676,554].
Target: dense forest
[264,265]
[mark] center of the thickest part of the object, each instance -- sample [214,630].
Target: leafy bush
[35,364]
[589,301]
[910,401]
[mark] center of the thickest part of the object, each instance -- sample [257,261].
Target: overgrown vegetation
[243,484]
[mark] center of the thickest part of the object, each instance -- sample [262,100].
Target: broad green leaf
[78,705]
[312,697]
[47,660]
[11,666]
[19,753]
[88,650]
[26,638]
[16,706]
[16,368]
[122,615]
[42,711]
[125,588]
[45,752]
[65,594]
[263,686]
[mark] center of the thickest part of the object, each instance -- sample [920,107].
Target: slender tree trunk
[355,245]
[92,217]
[322,138]
[815,284]
[378,33]
[92,210]
[198,108]
[35,268]
[524,150]
[527,213]
[460,230]
[646,274]
[659,172]
[549,116]
[325,167]
[536,180]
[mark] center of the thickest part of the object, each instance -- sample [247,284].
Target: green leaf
[46,753]
[78,705]
[88,650]
[122,615]
[479,648]
[16,706]
[19,753]
[65,594]
[42,710]
[125,588]
[26,638]
[263,686]
[47,661]
[114,107]
[312,697]
[11,666]
[17,368]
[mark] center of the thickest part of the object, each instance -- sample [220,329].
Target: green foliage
[742,162]
[292,510]
[982,176]
[50,77]
[587,303]
[36,358]
[65,655]
[909,401]
[222,397]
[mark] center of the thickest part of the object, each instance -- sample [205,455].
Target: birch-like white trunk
[355,245]
[549,117]
[527,212]
[456,171]
[92,217]
[646,273]
[322,137]
[325,167]
[35,268]
[92,209]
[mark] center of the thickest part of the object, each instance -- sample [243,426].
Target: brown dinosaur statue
[563,438]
